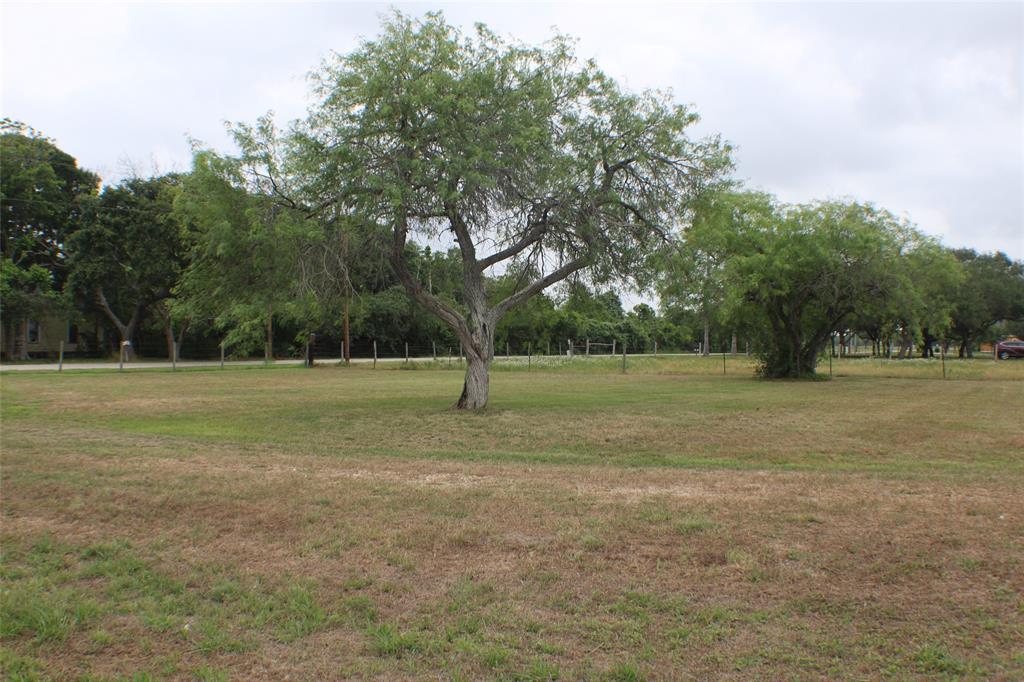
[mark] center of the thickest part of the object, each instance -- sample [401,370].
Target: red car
[1010,349]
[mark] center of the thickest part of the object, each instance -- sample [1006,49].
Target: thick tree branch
[539,285]
[435,305]
[101,300]
[530,237]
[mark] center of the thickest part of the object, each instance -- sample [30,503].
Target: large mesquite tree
[534,163]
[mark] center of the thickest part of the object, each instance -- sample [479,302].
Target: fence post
[449,356]
[623,356]
[723,363]
[375,353]
[407,352]
[830,364]
[508,355]
[655,349]
[549,347]
[60,360]
[529,354]
[433,349]
[588,348]
[120,359]
[942,354]
[568,350]
[174,356]
[613,348]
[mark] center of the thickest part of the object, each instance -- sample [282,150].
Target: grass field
[663,524]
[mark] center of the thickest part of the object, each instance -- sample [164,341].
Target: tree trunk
[479,348]
[126,332]
[268,351]
[734,347]
[127,335]
[8,349]
[169,337]
[21,340]
[476,387]
[346,352]
[706,348]
[926,344]
[906,345]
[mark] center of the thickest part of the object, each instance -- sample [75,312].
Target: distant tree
[692,273]
[42,194]
[243,250]
[928,279]
[796,274]
[992,290]
[531,323]
[129,254]
[528,159]
[644,327]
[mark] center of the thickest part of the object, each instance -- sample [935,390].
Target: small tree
[929,277]
[244,253]
[532,162]
[692,274]
[992,290]
[796,274]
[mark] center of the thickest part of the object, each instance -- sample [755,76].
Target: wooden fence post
[60,360]
[375,353]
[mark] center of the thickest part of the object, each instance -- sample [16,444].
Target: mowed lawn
[662,524]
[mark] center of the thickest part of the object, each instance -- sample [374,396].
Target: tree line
[158,256]
[558,188]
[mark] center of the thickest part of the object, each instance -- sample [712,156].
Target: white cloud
[915,106]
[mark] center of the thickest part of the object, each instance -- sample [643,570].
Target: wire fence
[586,354]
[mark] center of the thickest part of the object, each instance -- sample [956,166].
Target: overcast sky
[916,107]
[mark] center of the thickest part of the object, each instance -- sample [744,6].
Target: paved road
[211,364]
[148,364]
